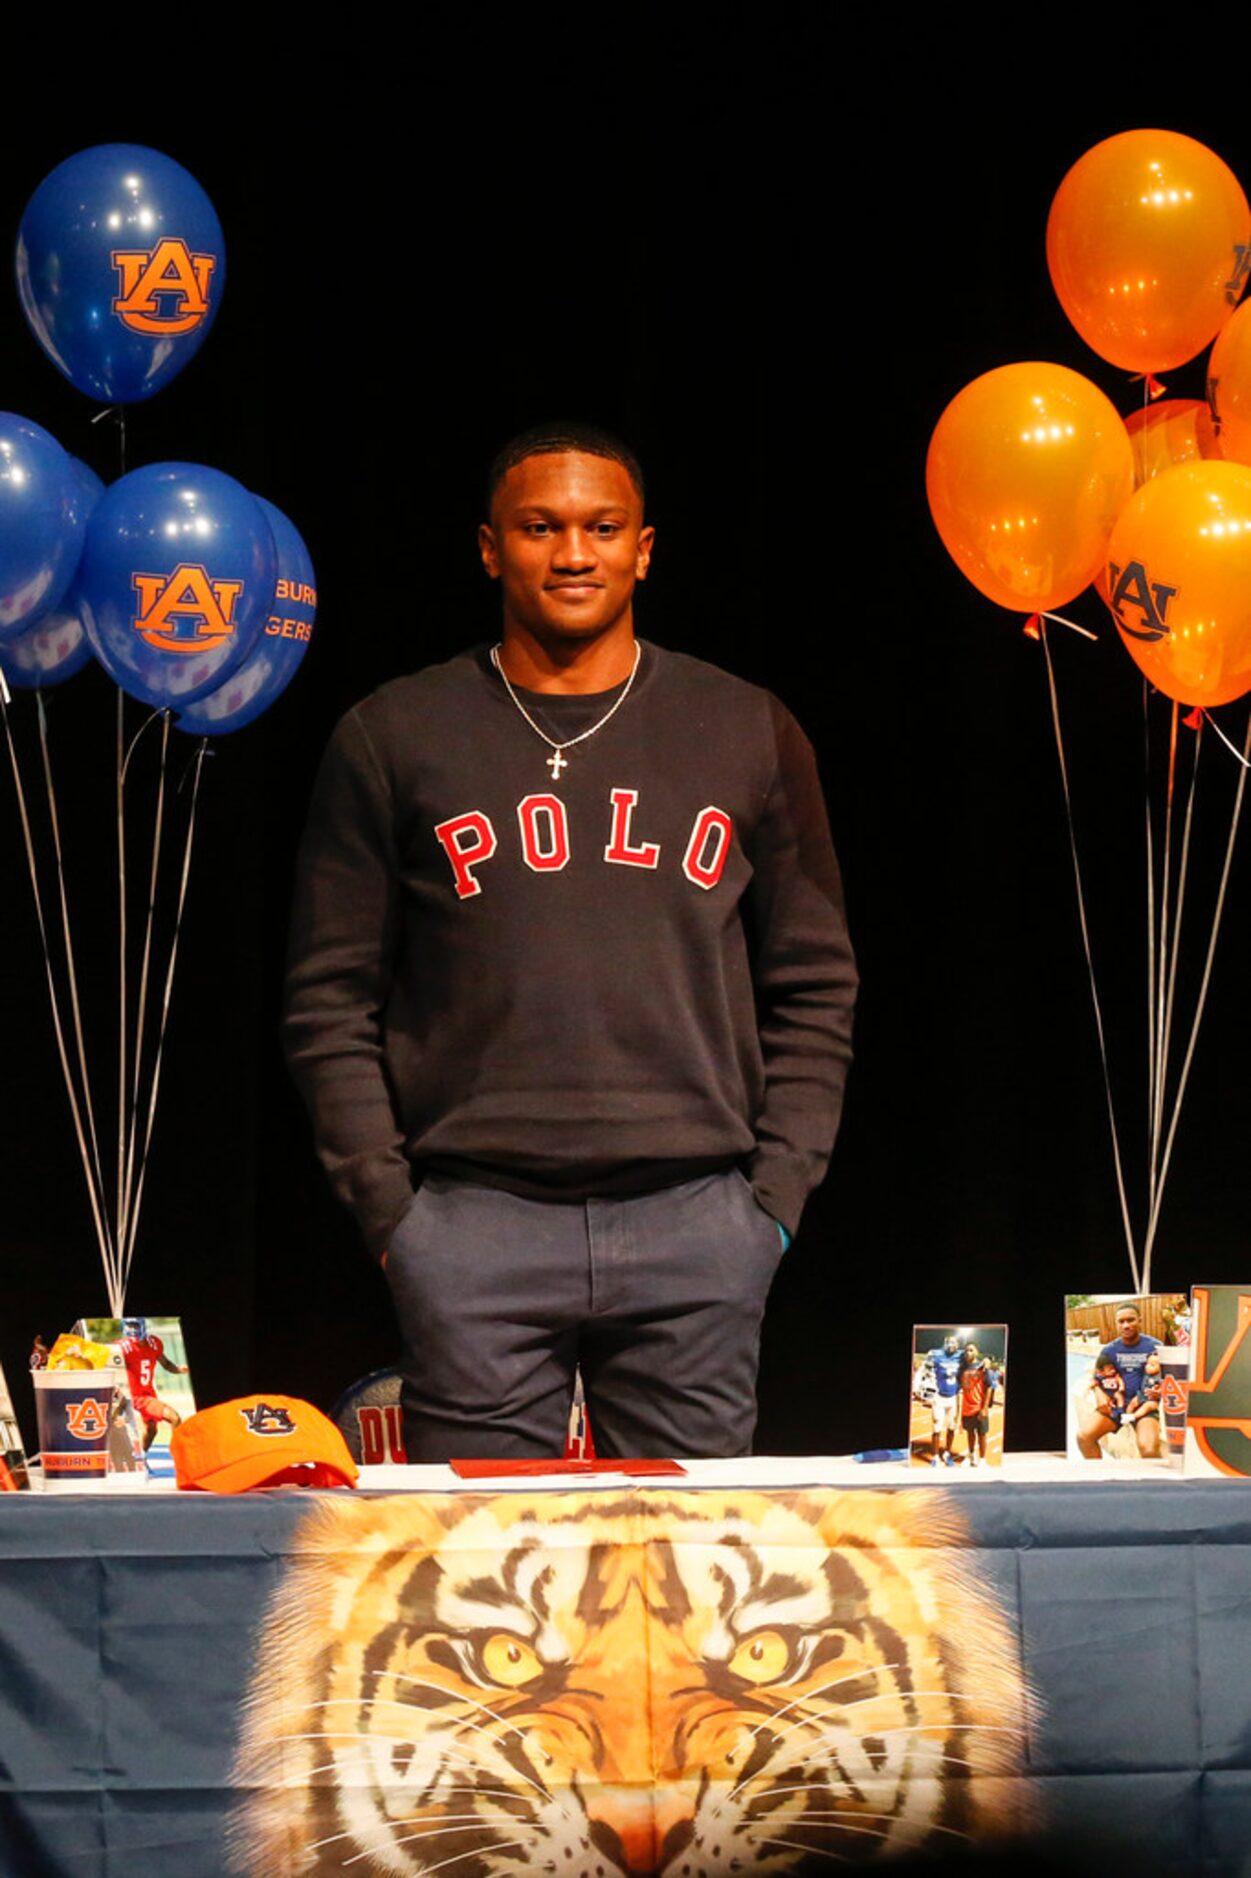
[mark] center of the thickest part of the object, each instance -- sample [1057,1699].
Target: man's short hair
[555,439]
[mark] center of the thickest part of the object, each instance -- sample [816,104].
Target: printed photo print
[1126,1361]
[959,1374]
[156,1395]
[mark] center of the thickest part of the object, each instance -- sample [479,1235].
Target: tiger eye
[510,1660]
[761,1658]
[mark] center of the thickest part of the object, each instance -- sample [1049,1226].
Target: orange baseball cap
[260,1441]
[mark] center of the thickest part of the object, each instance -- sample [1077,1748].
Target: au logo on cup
[86,1420]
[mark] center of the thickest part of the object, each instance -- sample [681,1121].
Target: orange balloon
[1027,470]
[1178,430]
[1148,242]
[1229,387]
[1179,576]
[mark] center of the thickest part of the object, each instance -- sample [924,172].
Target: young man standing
[569,952]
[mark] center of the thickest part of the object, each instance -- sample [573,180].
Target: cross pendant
[556,762]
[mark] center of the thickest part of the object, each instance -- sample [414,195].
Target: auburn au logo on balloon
[1132,586]
[162,290]
[185,611]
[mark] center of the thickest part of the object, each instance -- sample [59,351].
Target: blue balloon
[120,269]
[56,646]
[177,581]
[42,522]
[273,662]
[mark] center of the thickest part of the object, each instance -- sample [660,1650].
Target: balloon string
[72,975]
[141,1013]
[95,1196]
[1231,747]
[143,969]
[119,412]
[1199,1004]
[1090,964]
[125,1151]
[1177,922]
[1157,1091]
[1071,624]
[153,717]
[133,1222]
[1151,956]
[122,941]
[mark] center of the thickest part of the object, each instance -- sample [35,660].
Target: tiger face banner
[633,1683]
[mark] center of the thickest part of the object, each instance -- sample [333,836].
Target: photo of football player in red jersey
[155,1393]
[142,1352]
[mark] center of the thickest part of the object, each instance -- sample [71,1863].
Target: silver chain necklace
[556,761]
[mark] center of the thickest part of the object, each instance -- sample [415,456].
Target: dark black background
[770,258]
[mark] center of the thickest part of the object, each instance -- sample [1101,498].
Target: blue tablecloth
[131,1631]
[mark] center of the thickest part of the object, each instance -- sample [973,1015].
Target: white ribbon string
[1177,926]
[133,1221]
[122,947]
[1090,965]
[1151,957]
[1154,1220]
[1071,624]
[95,1195]
[1231,747]
[72,977]
[1156,1094]
[142,1009]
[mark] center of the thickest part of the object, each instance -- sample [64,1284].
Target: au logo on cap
[163,290]
[261,1419]
[186,610]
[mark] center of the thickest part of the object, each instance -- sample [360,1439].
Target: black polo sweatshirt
[595,982]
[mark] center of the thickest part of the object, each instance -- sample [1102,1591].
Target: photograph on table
[959,1375]
[1126,1363]
[157,1395]
[1218,1396]
[13,1474]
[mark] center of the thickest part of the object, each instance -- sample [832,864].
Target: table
[586,1674]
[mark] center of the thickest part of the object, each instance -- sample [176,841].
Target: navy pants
[658,1297]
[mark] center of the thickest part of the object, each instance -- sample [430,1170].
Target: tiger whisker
[871,1669]
[463,1722]
[795,1819]
[423,1682]
[883,1695]
[473,1821]
[823,1688]
[830,1733]
[438,1801]
[820,1753]
[827,1733]
[473,1852]
[448,1751]
[791,1845]
[812,1813]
